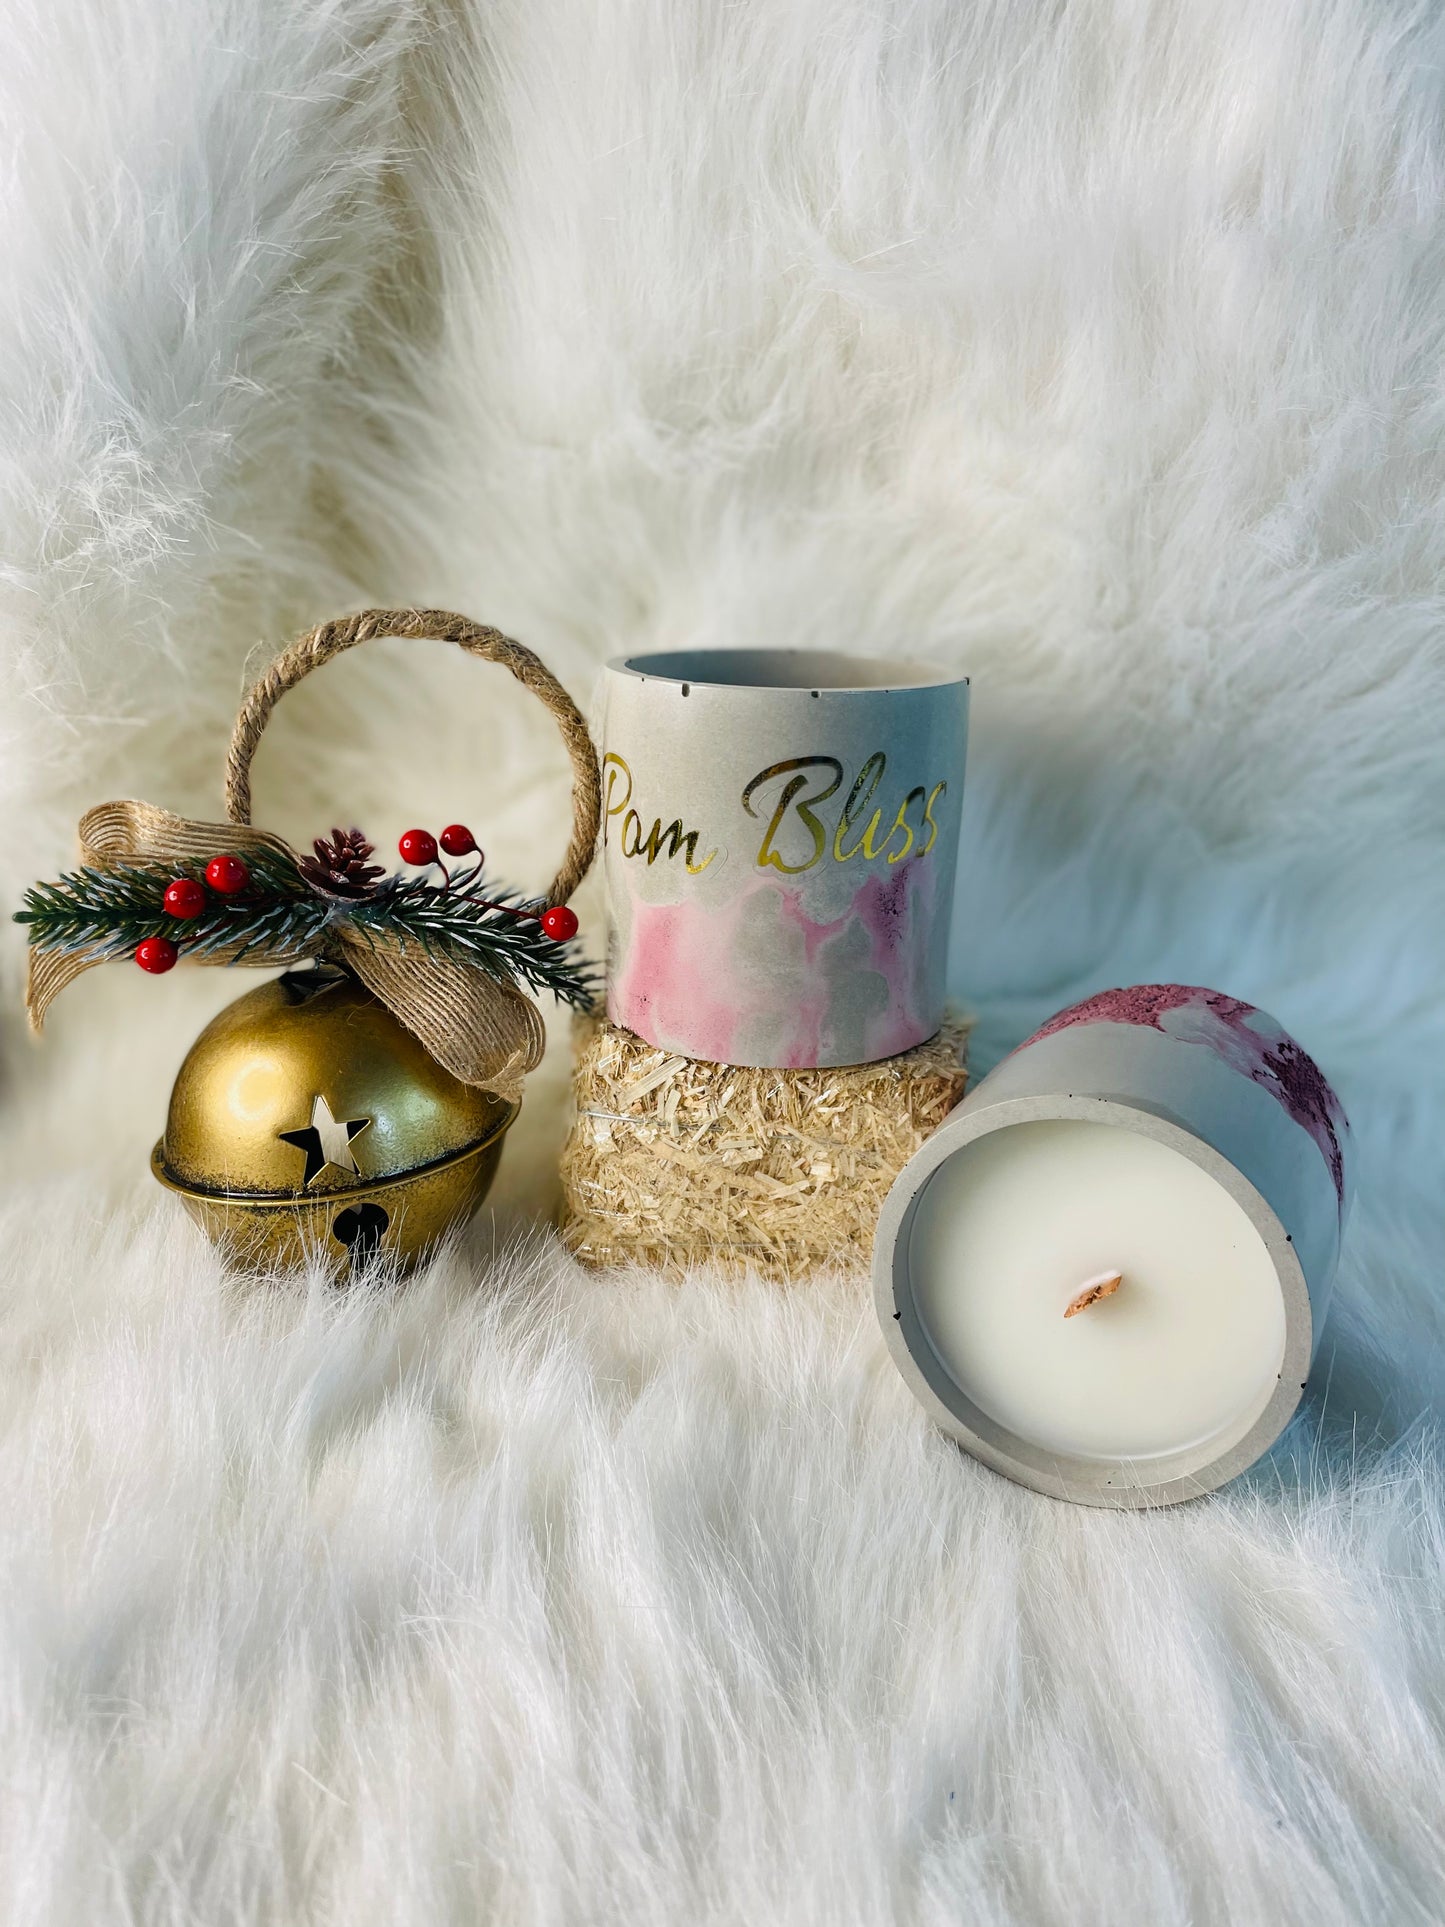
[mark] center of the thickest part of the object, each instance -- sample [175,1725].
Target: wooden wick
[1092,1290]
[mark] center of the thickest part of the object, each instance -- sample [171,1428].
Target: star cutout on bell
[326,1140]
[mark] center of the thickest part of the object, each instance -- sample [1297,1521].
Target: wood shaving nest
[671,1161]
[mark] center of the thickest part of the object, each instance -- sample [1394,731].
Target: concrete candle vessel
[1106,1272]
[780,836]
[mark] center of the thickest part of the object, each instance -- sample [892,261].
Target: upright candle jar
[780,833]
[1105,1274]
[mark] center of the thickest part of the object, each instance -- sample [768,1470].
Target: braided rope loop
[329,639]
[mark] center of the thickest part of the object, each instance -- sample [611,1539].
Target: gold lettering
[611,765]
[859,797]
[650,846]
[933,796]
[795,799]
[677,838]
[900,822]
[789,798]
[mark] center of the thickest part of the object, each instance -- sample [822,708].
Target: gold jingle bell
[308,1121]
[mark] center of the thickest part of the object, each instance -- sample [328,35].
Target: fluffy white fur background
[1098,346]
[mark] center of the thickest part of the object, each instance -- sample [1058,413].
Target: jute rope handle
[330,639]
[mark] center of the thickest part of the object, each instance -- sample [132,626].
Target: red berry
[418,847]
[457,840]
[227,875]
[157,955]
[560,923]
[183,898]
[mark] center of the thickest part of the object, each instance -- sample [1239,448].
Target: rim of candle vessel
[1164,1480]
[813,672]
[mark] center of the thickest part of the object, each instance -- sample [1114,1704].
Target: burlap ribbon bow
[479,1027]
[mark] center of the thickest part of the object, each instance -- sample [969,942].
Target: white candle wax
[1186,1353]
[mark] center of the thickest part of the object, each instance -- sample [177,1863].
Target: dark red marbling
[1248,1039]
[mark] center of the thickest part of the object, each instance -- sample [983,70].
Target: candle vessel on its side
[1106,1273]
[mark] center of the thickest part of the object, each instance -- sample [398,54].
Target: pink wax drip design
[1249,1041]
[672,981]
[812,1006]
[684,974]
[892,907]
[884,908]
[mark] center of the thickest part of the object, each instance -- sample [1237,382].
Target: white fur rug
[1096,346]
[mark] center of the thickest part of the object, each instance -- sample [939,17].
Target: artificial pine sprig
[108,912]
[501,934]
[272,906]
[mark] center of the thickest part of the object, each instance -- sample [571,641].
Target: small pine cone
[339,867]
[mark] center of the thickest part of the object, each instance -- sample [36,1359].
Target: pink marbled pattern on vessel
[895,908]
[684,979]
[1249,1041]
[669,981]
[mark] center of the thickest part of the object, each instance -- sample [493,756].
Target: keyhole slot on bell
[360,1227]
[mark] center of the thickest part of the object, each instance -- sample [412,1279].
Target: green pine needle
[106,913]
[514,948]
